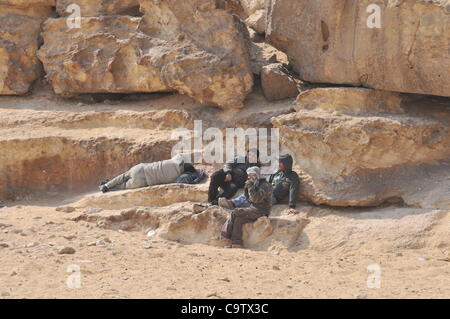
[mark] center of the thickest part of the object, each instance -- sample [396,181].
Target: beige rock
[201,228]
[19,33]
[263,54]
[68,151]
[177,223]
[375,229]
[351,101]
[154,196]
[257,21]
[233,7]
[262,119]
[280,232]
[253,12]
[251,6]
[330,42]
[356,154]
[277,83]
[99,7]
[65,209]
[66,250]
[255,37]
[58,163]
[205,56]
[28,3]
[243,8]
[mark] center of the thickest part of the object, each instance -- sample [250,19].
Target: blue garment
[191,177]
[241,202]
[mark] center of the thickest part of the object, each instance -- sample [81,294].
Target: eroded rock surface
[392,228]
[360,147]
[263,54]
[177,223]
[331,42]
[20,24]
[191,47]
[99,7]
[277,83]
[69,151]
[154,196]
[257,21]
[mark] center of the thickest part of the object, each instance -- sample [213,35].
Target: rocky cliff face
[190,47]
[361,147]
[19,39]
[89,8]
[331,42]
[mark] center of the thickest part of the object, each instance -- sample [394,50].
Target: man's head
[253,155]
[286,162]
[254,173]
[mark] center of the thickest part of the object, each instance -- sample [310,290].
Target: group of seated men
[259,193]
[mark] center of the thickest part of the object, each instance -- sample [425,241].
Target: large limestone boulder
[330,41]
[362,147]
[19,40]
[191,47]
[277,83]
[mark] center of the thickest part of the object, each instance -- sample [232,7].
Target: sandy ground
[123,266]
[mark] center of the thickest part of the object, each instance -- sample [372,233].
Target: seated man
[149,174]
[232,176]
[258,193]
[285,183]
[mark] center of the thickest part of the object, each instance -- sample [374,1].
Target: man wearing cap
[258,193]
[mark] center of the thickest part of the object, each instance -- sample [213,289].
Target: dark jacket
[285,183]
[238,169]
[191,177]
[259,194]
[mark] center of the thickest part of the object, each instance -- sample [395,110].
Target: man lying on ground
[149,174]
[285,183]
[232,176]
[258,193]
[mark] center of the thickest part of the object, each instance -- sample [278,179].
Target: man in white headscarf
[259,194]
